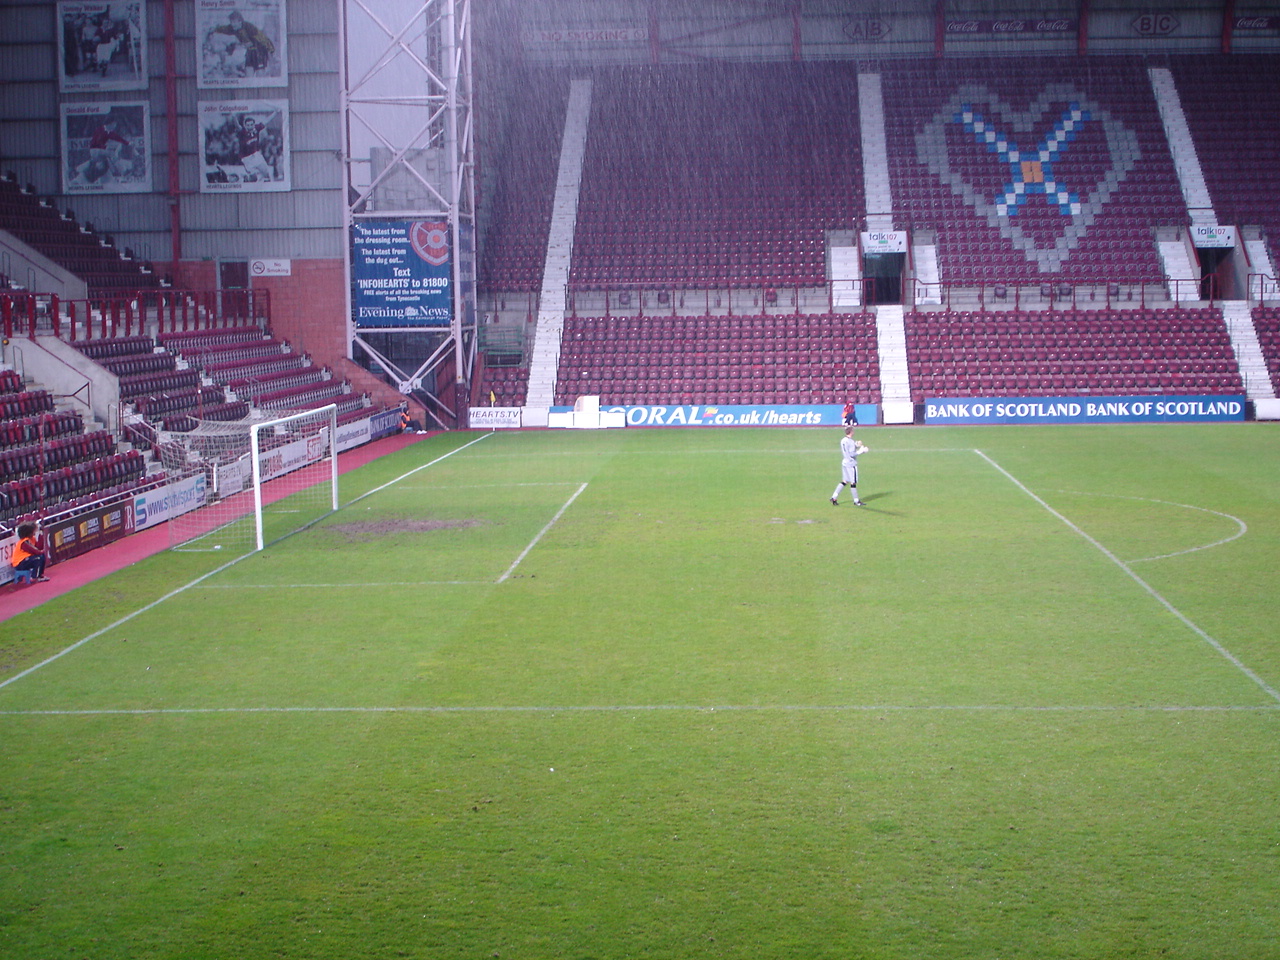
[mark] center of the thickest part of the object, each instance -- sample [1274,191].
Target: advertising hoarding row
[948,411]
[1103,409]
[738,415]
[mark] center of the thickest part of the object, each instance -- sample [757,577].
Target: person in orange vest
[28,552]
[408,424]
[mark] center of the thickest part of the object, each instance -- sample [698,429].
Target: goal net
[263,478]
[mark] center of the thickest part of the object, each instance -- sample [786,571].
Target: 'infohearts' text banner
[1084,409]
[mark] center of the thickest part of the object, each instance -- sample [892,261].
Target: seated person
[28,552]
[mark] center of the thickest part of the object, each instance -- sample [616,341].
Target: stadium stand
[1008,353]
[507,384]
[1111,166]
[77,247]
[743,190]
[808,358]
[516,243]
[1233,109]
[1267,322]
[48,462]
[738,188]
[671,200]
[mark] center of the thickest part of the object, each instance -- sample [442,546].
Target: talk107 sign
[400,273]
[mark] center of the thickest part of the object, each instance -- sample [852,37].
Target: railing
[85,503]
[855,295]
[509,304]
[142,313]
[1263,287]
[1061,295]
[504,346]
[721,299]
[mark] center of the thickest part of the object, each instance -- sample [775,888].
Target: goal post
[263,479]
[299,442]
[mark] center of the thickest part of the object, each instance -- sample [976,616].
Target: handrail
[135,313]
[1058,295]
[1262,286]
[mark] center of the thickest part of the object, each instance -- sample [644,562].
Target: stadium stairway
[1186,162]
[1178,269]
[875,153]
[845,270]
[895,381]
[1238,315]
[545,357]
[928,276]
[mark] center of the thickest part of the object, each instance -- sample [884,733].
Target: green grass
[648,694]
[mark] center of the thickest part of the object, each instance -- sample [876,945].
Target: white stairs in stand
[875,153]
[924,259]
[545,357]
[1238,315]
[1178,270]
[846,278]
[895,382]
[1186,162]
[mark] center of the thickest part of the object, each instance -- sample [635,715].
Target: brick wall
[308,309]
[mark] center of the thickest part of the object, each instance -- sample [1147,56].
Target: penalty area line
[1128,570]
[410,473]
[541,533]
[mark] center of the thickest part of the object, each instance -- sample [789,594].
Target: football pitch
[647,693]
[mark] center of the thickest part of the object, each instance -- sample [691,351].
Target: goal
[262,479]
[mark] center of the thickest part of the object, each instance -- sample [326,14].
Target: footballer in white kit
[849,451]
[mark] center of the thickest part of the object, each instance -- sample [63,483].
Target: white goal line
[870,708]
[200,579]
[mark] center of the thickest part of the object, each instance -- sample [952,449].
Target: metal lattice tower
[408,156]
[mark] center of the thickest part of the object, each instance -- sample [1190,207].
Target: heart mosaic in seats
[1039,176]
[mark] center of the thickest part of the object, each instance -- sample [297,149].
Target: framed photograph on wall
[241,43]
[244,146]
[106,148]
[102,45]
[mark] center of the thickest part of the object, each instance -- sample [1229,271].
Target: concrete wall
[75,381]
[36,272]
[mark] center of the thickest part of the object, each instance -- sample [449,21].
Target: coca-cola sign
[1005,27]
[1257,23]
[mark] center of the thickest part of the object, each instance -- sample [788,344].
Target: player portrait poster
[106,148]
[241,43]
[102,45]
[244,146]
